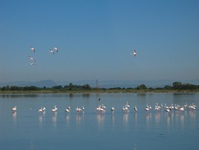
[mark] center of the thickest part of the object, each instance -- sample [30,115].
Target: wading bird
[14,109]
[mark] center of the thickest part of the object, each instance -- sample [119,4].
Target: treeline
[69,87]
[86,87]
[175,86]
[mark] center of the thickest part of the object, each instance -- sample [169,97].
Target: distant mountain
[99,83]
[42,83]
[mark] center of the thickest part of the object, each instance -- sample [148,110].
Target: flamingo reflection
[100,119]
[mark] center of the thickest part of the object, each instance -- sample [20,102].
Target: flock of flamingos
[126,108]
[55,50]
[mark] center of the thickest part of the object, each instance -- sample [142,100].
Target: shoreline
[96,91]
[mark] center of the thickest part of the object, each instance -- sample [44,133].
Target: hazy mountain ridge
[100,84]
[42,83]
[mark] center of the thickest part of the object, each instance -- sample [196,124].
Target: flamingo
[126,107]
[56,49]
[134,53]
[78,109]
[192,107]
[51,51]
[32,49]
[181,108]
[101,108]
[14,109]
[55,109]
[147,108]
[67,109]
[167,110]
[135,109]
[157,107]
[31,58]
[42,109]
[112,109]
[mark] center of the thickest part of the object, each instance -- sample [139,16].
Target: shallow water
[29,130]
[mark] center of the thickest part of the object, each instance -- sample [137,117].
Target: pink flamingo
[56,49]
[51,51]
[134,53]
[32,49]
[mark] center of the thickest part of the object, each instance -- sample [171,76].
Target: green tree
[142,87]
[86,87]
[71,87]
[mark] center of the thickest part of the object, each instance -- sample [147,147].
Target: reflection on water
[135,119]
[112,118]
[54,118]
[67,116]
[125,117]
[129,128]
[148,118]
[79,118]
[41,118]
[157,117]
[14,117]
[192,114]
[182,120]
[100,119]
[168,119]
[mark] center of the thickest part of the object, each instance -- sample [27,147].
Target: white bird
[56,49]
[32,49]
[134,53]
[101,108]
[55,109]
[14,109]
[192,107]
[126,107]
[135,109]
[51,51]
[42,109]
[112,109]
[181,108]
[78,109]
[167,110]
[67,109]
[147,108]
[31,58]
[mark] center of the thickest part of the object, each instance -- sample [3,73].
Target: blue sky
[96,38]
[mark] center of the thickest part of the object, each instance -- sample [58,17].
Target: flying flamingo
[134,53]
[56,49]
[32,49]
[51,51]
[32,60]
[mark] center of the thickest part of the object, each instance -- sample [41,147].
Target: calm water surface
[29,130]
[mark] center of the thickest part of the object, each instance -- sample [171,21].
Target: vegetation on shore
[86,88]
